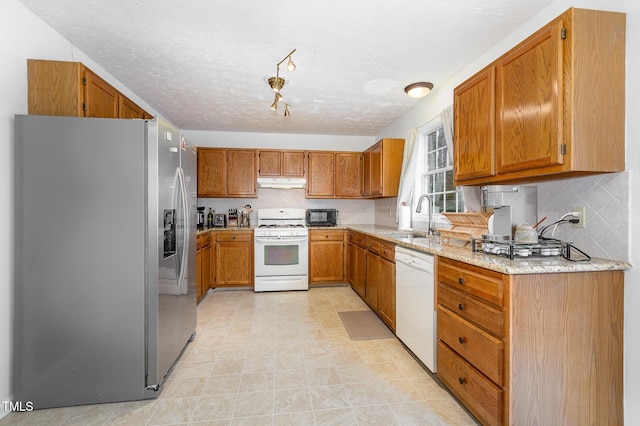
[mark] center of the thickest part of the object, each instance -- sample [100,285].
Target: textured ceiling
[203,64]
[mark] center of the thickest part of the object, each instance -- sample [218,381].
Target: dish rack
[508,248]
[466,226]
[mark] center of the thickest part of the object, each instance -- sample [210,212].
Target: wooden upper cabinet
[474,112]
[321,174]
[559,105]
[128,109]
[71,89]
[273,163]
[212,172]
[269,163]
[100,98]
[226,172]
[241,173]
[382,167]
[348,182]
[529,118]
[293,163]
[55,88]
[375,171]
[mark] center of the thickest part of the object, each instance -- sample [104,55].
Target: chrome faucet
[419,209]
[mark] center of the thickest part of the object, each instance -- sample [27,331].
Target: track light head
[290,65]
[286,110]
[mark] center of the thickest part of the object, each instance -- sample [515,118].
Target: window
[434,174]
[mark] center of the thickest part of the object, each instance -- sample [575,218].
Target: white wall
[594,190]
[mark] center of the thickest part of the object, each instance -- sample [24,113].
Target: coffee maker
[200,217]
[512,205]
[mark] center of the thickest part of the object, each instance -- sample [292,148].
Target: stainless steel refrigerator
[105,267]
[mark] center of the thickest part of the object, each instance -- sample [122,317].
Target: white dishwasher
[415,304]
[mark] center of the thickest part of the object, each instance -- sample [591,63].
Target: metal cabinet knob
[461,306]
[462,380]
[461,340]
[460,280]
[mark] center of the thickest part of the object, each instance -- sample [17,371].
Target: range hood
[282,183]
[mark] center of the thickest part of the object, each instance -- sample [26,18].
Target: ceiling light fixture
[418,90]
[277,83]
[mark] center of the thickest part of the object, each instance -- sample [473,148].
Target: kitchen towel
[404,218]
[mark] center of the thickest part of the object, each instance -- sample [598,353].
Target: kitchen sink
[407,234]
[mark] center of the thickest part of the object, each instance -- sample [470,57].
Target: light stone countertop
[520,265]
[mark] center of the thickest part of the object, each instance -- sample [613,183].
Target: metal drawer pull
[461,306]
[462,380]
[461,340]
[461,281]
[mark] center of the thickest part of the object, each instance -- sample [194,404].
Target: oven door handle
[281,240]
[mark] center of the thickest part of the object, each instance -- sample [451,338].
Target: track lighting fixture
[418,90]
[277,83]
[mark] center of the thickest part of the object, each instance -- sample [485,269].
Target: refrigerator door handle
[185,226]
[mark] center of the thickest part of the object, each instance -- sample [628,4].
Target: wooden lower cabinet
[357,261]
[380,282]
[326,256]
[234,259]
[532,349]
[204,250]
[387,292]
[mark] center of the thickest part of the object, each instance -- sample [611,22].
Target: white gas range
[281,250]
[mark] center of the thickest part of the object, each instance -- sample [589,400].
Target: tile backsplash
[349,211]
[606,201]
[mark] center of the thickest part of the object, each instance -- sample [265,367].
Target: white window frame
[423,131]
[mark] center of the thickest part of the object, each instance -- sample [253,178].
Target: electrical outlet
[582,217]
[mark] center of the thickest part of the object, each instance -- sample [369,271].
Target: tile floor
[279,359]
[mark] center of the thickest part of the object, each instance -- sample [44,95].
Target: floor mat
[364,325]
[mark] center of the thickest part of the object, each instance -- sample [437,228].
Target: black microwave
[322,217]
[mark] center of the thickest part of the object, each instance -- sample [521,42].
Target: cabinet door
[270,163]
[128,109]
[375,178]
[326,257]
[387,293]
[100,98]
[241,172]
[199,277]
[474,127]
[206,269]
[372,286]
[366,172]
[356,267]
[234,264]
[348,174]
[529,87]
[293,163]
[212,172]
[320,181]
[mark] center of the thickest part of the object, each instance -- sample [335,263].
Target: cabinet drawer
[373,245]
[235,236]
[479,348]
[483,283]
[472,310]
[326,235]
[478,394]
[357,239]
[388,251]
